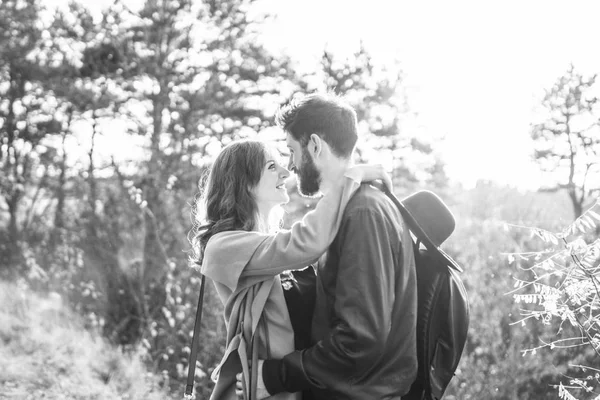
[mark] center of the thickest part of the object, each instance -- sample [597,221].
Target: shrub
[559,288]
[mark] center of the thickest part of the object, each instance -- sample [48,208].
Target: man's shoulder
[370,210]
[371,197]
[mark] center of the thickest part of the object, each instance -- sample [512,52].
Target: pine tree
[567,142]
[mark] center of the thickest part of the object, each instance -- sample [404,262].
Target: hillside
[46,353]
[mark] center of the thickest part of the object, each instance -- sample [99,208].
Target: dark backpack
[443,307]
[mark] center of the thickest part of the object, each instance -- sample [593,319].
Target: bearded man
[363,336]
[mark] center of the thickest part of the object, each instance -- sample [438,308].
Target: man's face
[302,163]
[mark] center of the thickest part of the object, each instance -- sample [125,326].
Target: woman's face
[271,190]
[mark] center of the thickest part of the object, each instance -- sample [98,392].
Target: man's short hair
[326,115]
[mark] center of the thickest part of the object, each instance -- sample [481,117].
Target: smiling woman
[271,191]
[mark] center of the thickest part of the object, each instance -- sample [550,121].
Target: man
[363,330]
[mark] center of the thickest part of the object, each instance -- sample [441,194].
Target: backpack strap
[189,389]
[410,221]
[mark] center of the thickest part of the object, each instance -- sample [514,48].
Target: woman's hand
[371,172]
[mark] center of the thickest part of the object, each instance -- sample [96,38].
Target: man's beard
[308,176]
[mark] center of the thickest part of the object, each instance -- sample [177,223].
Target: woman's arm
[307,239]
[233,255]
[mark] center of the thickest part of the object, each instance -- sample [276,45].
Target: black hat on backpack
[430,220]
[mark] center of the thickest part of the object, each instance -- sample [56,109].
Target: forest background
[109,121]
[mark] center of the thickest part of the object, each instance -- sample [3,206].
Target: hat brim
[427,207]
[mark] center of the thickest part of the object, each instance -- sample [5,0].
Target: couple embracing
[349,331]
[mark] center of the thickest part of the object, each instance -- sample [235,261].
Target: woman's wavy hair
[225,201]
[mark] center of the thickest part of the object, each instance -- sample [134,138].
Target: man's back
[365,315]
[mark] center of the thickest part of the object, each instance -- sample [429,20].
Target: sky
[475,71]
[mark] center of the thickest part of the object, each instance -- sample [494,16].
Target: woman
[239,251]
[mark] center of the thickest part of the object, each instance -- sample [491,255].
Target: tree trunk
[14,194]
[59,221]
[576,202]
[14,253]
[154,263]
[93,196]
[13,209]
[154,258]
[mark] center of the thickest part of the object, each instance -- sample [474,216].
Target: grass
[46,353]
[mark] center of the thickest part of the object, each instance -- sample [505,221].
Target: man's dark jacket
[364,321]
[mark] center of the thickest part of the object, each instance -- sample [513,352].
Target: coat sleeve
[231,256]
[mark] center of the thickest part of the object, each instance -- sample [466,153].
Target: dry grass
[45,353]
